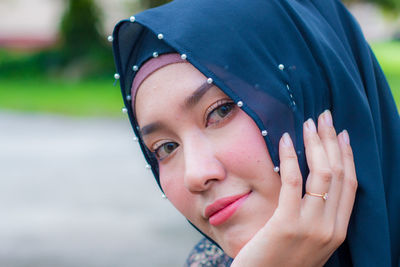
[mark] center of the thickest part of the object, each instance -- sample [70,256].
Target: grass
[388,55]
[84,98]
[101,98]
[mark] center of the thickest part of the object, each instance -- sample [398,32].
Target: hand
[306,231]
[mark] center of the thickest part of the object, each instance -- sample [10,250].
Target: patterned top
[206,253]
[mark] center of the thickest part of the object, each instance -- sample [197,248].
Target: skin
[212,149]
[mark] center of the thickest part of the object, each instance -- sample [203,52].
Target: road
[75,192]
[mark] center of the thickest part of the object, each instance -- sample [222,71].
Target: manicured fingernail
[311,125]
[328,118]
[287,141]
[346,137]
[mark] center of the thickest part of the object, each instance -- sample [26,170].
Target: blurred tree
[80,28]
[153,3]
[84,51]
[81,53]
[391,5]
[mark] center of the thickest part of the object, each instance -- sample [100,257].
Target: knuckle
[352,183]
[291,156]
[303,233]
[338,171]
[320,235]
[339,238]
[312,235]
[325,174]
[293,180]
[289,233]
[308,235]
[325,236]
[288,230]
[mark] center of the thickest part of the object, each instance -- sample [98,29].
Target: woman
[217,93]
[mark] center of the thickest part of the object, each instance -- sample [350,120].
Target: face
[214,164]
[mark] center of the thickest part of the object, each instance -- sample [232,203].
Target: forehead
[166,86]
[173,74]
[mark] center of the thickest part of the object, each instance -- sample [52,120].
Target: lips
[222,209]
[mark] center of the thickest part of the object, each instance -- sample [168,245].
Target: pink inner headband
[151,66]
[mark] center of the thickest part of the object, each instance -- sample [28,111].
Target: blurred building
[33,24]
[375,25]
[29,24]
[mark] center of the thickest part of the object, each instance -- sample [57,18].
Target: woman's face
[214,165]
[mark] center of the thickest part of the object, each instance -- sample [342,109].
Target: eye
[163,150]
[219,111]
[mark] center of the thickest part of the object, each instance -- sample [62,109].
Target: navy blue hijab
[285,61]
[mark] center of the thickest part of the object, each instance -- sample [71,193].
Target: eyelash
[210,110]
[214,107]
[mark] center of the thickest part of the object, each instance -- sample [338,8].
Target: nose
[202,167]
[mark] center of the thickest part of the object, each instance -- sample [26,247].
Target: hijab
[282,62]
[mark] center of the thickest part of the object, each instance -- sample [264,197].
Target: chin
[235,236]
[234,242]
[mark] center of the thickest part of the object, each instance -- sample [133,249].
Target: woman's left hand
[305,231]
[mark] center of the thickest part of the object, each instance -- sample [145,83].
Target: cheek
[248,159]
[173,186]
[245,148]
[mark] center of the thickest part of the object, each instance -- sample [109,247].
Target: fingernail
[346,137]
[287,141]
[328,118]
[311,125]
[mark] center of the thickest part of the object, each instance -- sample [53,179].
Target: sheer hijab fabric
[285,61]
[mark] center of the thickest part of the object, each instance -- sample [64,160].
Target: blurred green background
[74,190]
[74,75]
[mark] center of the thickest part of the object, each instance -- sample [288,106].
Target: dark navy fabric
[287,61]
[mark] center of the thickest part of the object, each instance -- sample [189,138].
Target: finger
[329,140]
[319,179]
[349,188]
[291,189]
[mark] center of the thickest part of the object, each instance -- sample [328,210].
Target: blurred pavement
[74,192]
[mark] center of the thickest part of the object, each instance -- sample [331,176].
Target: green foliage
[84,49]
[389,5]
[97,97]
[24,65]
[153,3]
[82,52]
[80,27]
[55,62]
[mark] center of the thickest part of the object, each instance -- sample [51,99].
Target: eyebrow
[150,128]
[196,96]
[189,102]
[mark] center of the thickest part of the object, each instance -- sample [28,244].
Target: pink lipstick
[222,209]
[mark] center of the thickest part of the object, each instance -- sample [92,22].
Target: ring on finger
[324,196]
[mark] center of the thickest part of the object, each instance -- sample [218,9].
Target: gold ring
[324,196]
